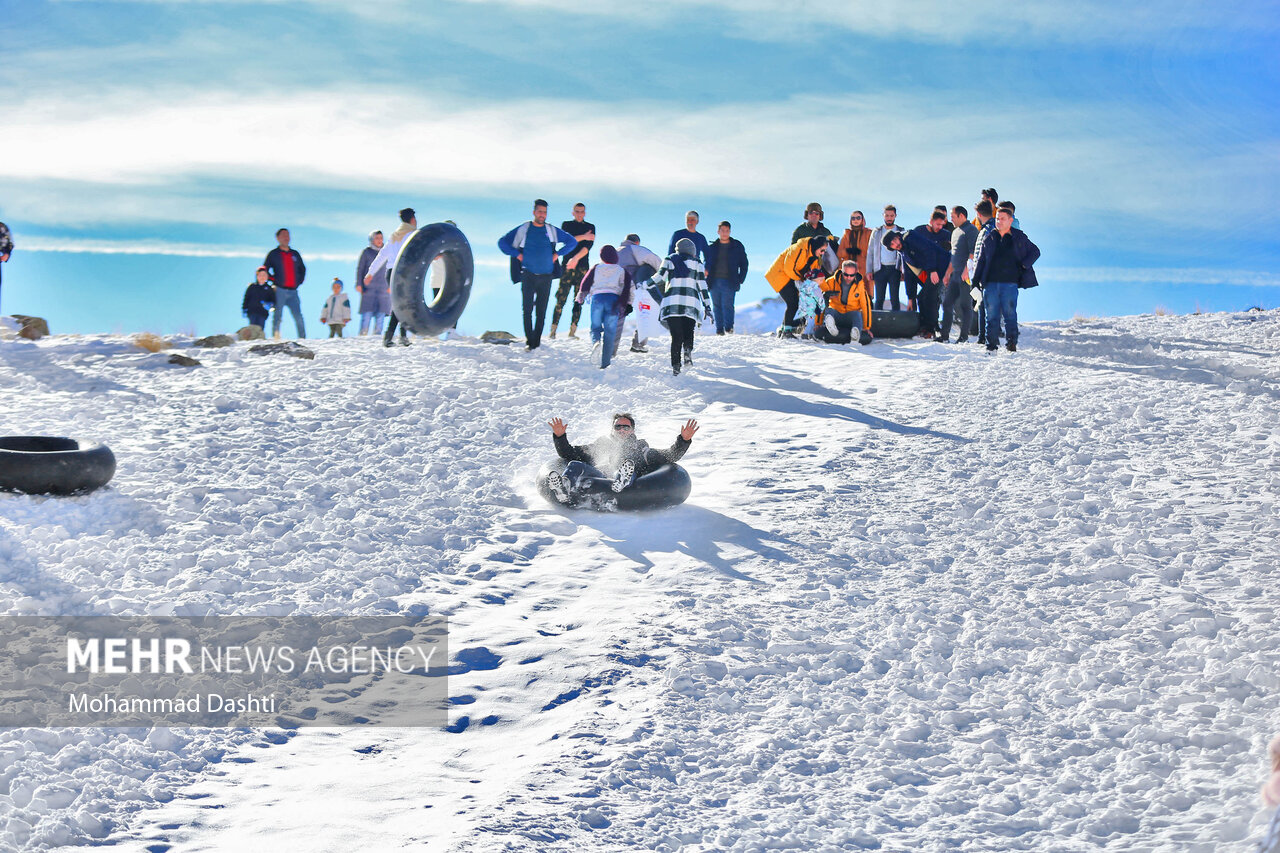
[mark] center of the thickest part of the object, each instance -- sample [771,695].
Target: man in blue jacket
[533,244]
[926,261]
[726,271]
[1004,267]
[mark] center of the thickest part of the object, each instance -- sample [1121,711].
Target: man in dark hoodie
[1005,268]
[620,452]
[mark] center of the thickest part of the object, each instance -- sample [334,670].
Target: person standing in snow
[384,261]
[926,260]
[685,300]
[608,286]
[641,264]
[287,272]
[956,298]
[375,297]
[726,271]
[884,266]
[337,310]
[258,299]
[986,225]
[1004,268]
[533,244]
[690,232]
[6,247]
[853,247]
[812,225]
[620,452]
[575,268]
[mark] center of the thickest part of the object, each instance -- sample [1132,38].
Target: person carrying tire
[612,462]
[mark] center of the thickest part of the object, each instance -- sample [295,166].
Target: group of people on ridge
[970,271]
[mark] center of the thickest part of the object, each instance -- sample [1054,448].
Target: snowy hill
[920,598]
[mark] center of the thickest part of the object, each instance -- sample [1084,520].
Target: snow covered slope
[921,598]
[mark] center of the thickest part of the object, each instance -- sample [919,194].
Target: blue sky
[149,150]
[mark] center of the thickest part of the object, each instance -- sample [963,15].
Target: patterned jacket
[685,289]
[6,241]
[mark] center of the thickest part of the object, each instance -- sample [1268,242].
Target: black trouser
[845,322]
[390,334]
[791,296]
[536,291]
[956,300]
[569,281]
[930,296]
[887,280]
[681,337]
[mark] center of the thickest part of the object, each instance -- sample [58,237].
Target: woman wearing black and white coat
[686,301]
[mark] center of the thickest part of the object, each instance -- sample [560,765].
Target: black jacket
[737,260]
[922,249]
[1024,250]
[608,453]
[258,299]
[275,267]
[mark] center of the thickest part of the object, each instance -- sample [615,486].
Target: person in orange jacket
[803,260]
[853,247]
[848,307]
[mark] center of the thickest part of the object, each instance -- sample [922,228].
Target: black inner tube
[53,465]
[445,242]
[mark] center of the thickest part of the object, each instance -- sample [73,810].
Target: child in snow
[609,287]
[586,477]
[686,301]
[259,297]
[337,310]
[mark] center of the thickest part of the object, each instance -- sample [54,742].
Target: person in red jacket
[287,272]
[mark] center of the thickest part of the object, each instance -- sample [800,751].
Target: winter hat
[336,281]
[811,207]
[608,254]
[260,269]
[685,247]
[888,238]
[406,214]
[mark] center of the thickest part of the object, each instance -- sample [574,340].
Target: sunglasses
[623,427]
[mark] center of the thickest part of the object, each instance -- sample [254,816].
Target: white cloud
[188,250]
[1067,158]
[1159,275]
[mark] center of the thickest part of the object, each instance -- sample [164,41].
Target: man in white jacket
[386,258]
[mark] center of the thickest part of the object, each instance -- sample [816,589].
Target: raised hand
[689,429]
[557,426]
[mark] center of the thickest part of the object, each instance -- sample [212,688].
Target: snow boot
[829,323]
[625,476]
[558,486]
[688,358]
[573,330]
[1012,346]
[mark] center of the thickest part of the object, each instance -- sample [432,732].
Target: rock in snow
[920,598]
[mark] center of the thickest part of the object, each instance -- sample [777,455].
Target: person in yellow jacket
[803,260]
[848,308]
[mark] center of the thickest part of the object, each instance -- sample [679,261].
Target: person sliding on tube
[620,452]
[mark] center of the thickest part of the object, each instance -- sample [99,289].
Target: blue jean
[722,295]
[1001,299]
[286,298]
[373,318]
[604,309]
